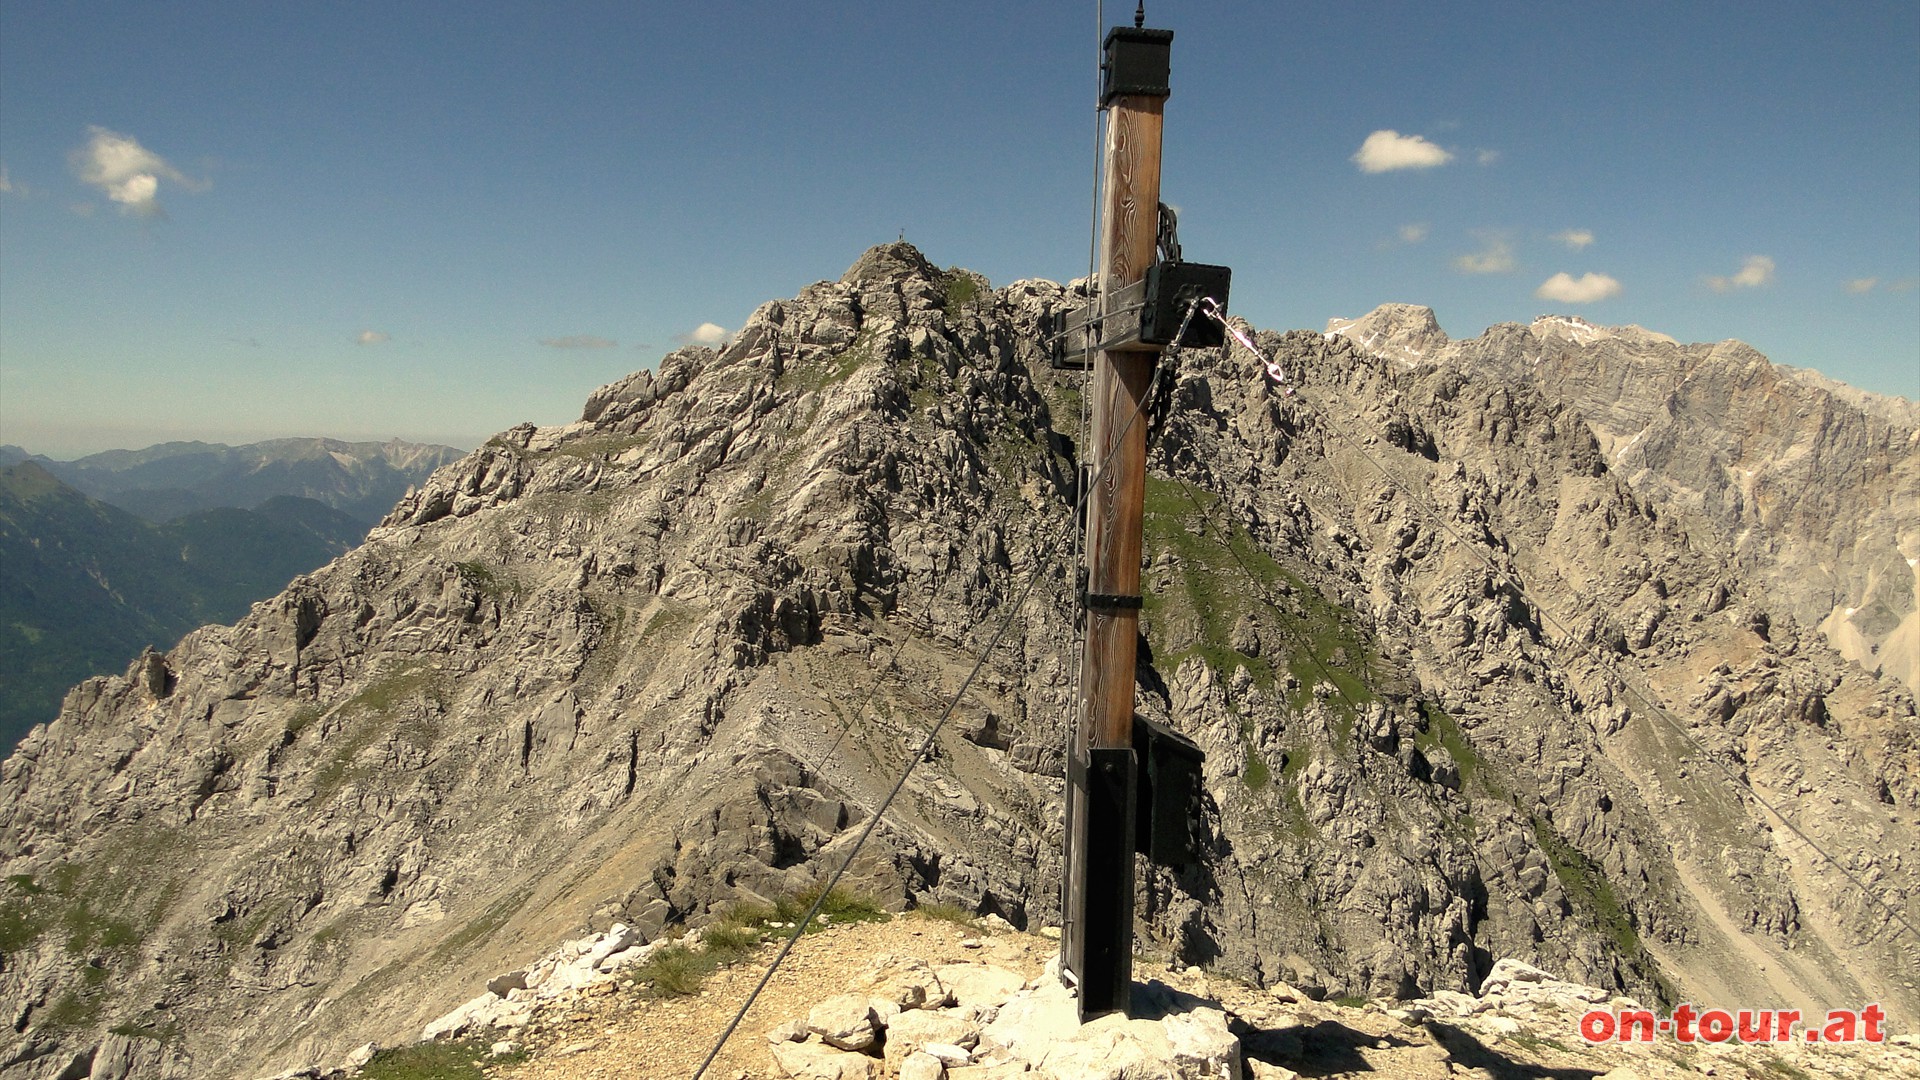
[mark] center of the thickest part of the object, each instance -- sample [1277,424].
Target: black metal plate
[1106,971]
[1138,62]
[1171,287]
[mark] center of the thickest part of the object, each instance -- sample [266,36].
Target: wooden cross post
[1098,931]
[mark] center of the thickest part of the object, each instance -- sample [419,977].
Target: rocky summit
[1500,649]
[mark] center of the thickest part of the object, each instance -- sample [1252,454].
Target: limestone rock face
[637,669]
[1813,486]
[1405,332]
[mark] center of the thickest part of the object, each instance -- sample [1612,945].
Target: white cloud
[578,341]
[708,334]
[1575,239]
[1495,258]
[1413,234]
[1755,272]
[1862,285]
[126,172]
[1585,289]
[1385,151]
[1487,157]
[373,337]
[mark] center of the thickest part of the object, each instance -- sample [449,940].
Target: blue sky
[433,221]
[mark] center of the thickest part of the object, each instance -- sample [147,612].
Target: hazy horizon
[445,220]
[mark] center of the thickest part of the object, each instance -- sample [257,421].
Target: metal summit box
[1171,288]
[1136,61]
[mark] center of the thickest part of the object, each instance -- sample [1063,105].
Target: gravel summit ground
[613,1032]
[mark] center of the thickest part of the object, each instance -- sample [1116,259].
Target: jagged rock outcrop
[670,657]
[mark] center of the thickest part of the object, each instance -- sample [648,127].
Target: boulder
[1507,972]
[813,1061]
[1033,1019]
[845,1021]
[1202,1045]
[906,981]
[913,1031]
[979,984]
[922,1066]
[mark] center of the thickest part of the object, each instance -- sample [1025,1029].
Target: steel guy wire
[1646,700]
[1083,432]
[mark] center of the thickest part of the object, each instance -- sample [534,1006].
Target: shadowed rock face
[670,657]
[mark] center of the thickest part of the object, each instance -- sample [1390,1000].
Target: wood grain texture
[1130,228]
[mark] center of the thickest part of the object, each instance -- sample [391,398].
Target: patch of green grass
[1587,888]
[1440,731]
[677,970]
[728,942]
[333,931]
[302,719]
[385,694]
[940,911]
[429,1061]
[1533,1044]
[28,911]
[609,648]
[493,583]
[90,931]
[841,907]
[1221,576]
[670,617]
[72,1009]
[962,289]
[22,916]
[1293,810]
[1350,1001]
[237,933]
[836,368]
[1256,775]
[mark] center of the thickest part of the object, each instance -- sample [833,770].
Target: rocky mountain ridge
[668,658]
[1814,485]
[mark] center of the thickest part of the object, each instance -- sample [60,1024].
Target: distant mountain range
[110,554]
[163,482]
